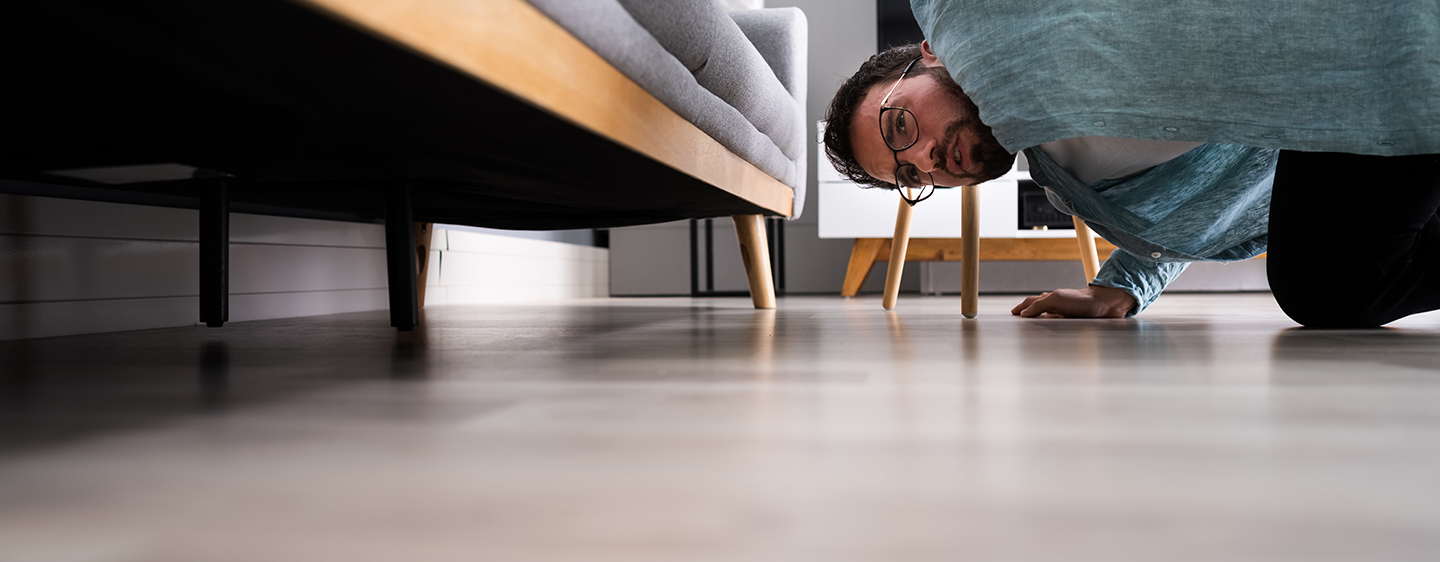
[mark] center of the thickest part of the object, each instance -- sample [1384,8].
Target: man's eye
[902,125]
[909,176]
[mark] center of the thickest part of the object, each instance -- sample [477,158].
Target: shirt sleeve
[1144,279]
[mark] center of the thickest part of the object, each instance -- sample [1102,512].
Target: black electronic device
[1036,212]
[895,24]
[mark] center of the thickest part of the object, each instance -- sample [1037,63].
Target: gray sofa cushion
[725,62]
[608,29]
[780,35]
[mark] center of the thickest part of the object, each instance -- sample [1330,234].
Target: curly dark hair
[840,115]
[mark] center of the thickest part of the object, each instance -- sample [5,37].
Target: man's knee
[1313,314]
[1318,298]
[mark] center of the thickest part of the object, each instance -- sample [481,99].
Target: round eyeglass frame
[927,188]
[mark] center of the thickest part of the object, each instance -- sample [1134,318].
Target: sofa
[739,77]
[546,114]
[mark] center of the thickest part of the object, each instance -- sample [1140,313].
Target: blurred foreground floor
[700,429]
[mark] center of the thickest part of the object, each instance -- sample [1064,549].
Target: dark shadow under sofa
[539,115]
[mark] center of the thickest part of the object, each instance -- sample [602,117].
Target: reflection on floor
[678,429]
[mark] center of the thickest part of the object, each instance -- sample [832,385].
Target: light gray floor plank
[1210,428]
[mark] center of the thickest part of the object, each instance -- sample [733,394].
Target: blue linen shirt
[1247,78]
[1311,75]
[1209,204]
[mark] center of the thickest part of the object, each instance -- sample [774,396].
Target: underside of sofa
[406,112]
[318,104]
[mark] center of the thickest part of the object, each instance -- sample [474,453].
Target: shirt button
[1099,123]
[1171,129]
[1386,143]
[1154,254]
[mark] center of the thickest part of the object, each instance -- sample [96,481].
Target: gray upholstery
[703,66]
[712,47]
[781,35]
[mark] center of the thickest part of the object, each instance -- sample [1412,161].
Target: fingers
[1070,303]
[1040,307]
[1054,303]
[1027,304]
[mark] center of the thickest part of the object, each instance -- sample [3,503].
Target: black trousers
[1355,240]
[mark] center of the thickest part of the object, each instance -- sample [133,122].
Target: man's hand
[1090,302]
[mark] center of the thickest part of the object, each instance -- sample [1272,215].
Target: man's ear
[927,56]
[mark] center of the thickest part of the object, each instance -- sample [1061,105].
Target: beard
[988,159]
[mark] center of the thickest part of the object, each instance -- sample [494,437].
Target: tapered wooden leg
[750,229]
[1088,255]
[422,257]
[898,245]
[214,253]
[400,258]
[969,250]
[862,260]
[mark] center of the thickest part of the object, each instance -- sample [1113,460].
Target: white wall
[476,266]
[73,267]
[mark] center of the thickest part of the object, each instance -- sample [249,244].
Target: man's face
[954,147]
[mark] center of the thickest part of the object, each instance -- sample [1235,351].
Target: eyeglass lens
[899,128]
[907,175]
[900,131]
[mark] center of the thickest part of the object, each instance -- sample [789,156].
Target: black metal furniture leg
[214,252]
[400,257]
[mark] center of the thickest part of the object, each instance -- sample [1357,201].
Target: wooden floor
[679,429]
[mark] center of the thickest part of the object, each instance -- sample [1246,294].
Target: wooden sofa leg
[756,255]
[400,257]
[214,253]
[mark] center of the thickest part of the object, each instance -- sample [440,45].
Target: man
[1167,127]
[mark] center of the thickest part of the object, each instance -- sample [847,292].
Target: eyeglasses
[900,130]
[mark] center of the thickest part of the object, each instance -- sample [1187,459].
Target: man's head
[952,146]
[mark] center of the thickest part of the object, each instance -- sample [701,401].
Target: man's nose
[924,155]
